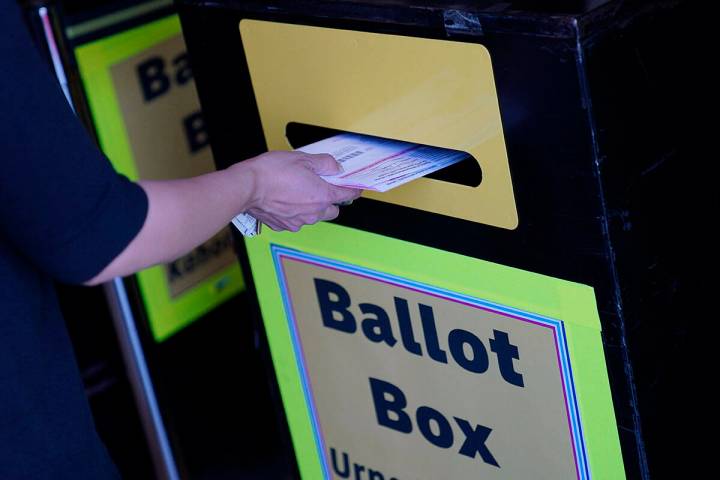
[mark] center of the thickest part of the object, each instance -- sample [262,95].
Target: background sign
[401,361]
[142,96]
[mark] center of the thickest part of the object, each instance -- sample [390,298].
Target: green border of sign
[572,303]
[166,315]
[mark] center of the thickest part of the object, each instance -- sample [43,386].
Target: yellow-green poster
[142,97]
[400,361]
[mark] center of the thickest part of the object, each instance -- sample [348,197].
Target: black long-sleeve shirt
[64,215]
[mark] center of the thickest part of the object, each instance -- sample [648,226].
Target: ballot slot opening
[466,172]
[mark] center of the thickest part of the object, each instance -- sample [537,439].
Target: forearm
[181,215]
[281,189]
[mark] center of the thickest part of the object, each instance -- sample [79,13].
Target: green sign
[147,116]
[400,361]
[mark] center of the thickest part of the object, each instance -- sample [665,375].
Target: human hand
[287,191]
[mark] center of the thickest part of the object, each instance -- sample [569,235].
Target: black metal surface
[589,172]
[558,19]
[643,116]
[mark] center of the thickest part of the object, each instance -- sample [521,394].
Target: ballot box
[505,319]
[182,326]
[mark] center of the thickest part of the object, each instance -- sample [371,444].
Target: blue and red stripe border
[557,327]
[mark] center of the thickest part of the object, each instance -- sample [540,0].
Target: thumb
[323,164]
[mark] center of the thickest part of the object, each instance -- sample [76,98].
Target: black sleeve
[61,203]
